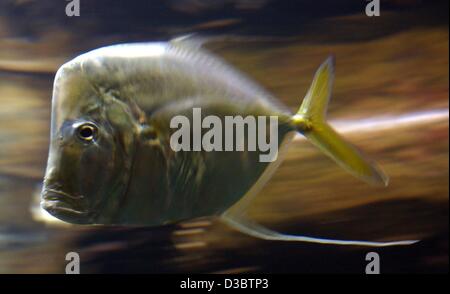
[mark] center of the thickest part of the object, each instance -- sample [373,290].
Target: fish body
[110,159]
[131,92]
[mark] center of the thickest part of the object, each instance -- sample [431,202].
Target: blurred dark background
[390,98]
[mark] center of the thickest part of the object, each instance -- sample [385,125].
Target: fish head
[91,150]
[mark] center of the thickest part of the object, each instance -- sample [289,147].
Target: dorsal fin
[192,41]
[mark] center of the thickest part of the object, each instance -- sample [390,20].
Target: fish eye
[87,132]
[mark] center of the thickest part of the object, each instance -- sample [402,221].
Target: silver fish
[110,160]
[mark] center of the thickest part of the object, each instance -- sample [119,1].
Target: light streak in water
[388,122]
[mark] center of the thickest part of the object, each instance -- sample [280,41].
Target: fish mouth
[62,205]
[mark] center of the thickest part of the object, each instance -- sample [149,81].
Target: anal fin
[243,224]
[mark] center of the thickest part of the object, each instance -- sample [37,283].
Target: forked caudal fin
[310,120]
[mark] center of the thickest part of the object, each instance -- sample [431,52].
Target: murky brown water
[390,98]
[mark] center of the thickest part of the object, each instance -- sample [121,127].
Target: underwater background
[390,98]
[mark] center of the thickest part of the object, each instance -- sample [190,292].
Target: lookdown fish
[110,160]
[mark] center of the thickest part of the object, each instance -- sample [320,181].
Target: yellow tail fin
[310,120]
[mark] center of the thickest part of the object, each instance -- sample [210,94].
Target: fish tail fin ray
[310,120]
[246,226]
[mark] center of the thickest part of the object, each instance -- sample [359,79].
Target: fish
[110,160]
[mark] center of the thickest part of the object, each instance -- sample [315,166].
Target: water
[390,98]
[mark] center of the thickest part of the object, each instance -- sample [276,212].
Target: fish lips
[64,206]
